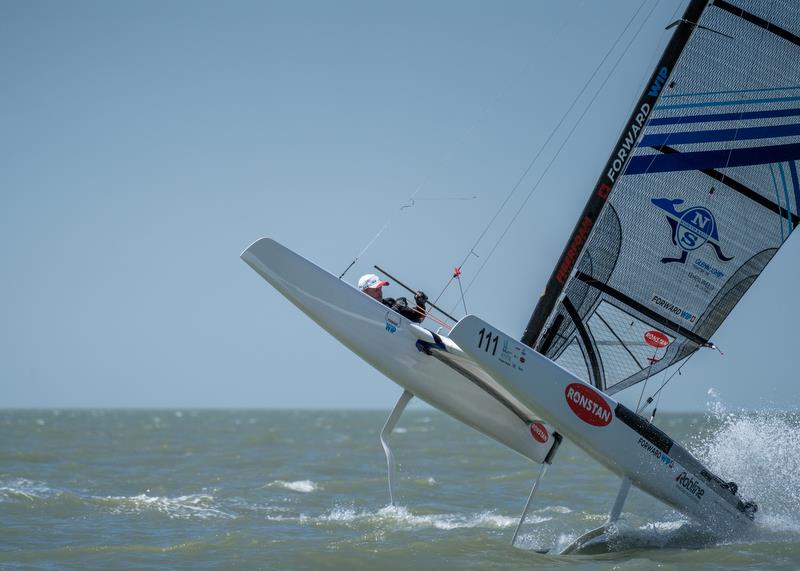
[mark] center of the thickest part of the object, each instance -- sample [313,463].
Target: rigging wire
[561,147]
[658,48]
[463,299]
[664,384]
[653,361]
[641,394]
[370,243]
[555,129]
[446,157]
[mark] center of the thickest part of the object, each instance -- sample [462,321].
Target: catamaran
[699,193]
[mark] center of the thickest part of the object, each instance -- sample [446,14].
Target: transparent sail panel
[709,192]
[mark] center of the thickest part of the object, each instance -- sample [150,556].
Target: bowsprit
[691,228]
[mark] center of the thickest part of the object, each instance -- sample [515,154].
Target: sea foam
[402,518]
[23,489]
[304,486]
[758,450]
[201,506]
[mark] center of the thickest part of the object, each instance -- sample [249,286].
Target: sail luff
[613,169]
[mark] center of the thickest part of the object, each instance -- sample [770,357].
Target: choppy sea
[183,489]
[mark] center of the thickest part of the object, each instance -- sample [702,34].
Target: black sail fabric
[697,201]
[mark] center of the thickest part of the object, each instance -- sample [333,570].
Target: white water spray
[759,451]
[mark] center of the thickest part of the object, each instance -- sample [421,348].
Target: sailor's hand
[420,298]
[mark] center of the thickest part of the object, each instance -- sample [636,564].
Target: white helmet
[370,281]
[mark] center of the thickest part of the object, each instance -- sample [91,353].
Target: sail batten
[701,191]
[744,190]
[641,308]
[758,21]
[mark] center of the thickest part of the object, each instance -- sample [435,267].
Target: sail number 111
[491,341]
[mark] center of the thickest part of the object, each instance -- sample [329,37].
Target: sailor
[371,285]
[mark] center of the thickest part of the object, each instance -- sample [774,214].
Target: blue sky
[144,145]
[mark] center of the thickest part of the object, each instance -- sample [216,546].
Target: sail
[700,192]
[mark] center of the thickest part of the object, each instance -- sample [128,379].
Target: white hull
[612,434]
[501,386]
[360,323]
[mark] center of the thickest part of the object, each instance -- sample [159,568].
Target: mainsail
[699,194]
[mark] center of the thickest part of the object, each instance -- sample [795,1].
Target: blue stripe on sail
[725,117]
[795,184]
[720,135]
[777,200]
[786,196]
[702,160]
[732,91]
[723,103]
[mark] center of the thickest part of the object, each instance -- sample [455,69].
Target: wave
[201,506]
[304,486]
[757,450]
[622,536]
[25,490]
[400,517]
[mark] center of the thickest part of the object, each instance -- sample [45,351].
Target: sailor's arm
[419,311]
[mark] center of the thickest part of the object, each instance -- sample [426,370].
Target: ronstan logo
[656,339]
[539,432]
[587,405]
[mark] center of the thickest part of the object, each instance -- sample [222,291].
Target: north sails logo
[691,229]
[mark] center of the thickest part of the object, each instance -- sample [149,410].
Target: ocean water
[307,490]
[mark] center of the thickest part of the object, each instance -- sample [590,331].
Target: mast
[612,171]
